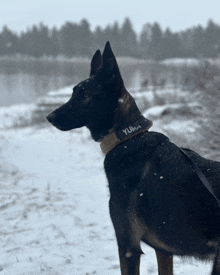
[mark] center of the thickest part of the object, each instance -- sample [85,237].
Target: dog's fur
[155,196]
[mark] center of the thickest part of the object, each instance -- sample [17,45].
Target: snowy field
[54,199]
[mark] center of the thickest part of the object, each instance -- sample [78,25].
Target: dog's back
[210,168]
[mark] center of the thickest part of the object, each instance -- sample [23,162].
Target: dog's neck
[128,122]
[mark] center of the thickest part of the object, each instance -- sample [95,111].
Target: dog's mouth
[61,128]
[63,123]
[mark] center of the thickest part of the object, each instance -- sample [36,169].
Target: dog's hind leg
[216,266]
[165,264]
[129,263]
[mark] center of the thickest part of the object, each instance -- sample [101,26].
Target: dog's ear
[109,61]
[96,62]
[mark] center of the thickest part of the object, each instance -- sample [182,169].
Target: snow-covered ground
[54,202]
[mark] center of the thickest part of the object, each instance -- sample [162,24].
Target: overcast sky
[178,15]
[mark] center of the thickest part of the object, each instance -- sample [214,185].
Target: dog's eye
[86,94]
[86,97]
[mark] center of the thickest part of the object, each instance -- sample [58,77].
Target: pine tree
[67,38]
[155,42]
[55,43]
[186,41]
[128,39]
[97,39]
[9,43]
[36,41]
[144,41]
[77,39]
[212,40]
[169,46]
[116,38]
[198,42]
[83,39]
[112,33]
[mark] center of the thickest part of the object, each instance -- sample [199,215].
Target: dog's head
[94,100]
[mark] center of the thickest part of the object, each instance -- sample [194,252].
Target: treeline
[74,39]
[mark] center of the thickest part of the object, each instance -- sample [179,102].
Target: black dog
[155,194]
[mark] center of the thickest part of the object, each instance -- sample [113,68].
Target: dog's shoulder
[139,148]
[155,138]
[149,141]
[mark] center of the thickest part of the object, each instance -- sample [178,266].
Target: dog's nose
[51,117]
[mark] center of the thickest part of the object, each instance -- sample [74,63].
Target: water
[26,88]
[24,80]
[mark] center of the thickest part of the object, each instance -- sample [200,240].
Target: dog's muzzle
[51,118]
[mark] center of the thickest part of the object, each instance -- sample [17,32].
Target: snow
[64,91]
[165,96]
[54,203]
[158,111]
[189,61]
[9,116]
[121,100]
[181,61]
[60,96]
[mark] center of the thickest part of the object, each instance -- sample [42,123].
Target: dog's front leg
[128,242]
[216,266]
[129,263]
[165,264]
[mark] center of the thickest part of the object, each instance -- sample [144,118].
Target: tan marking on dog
[142,232]
[212,244]
[137,231]
[146,170]
[154,241]
[126,102]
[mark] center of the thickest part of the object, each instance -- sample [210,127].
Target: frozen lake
[24,80]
